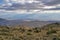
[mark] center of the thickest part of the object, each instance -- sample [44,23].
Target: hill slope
[48,32]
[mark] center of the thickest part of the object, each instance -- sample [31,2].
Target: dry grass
[48,32]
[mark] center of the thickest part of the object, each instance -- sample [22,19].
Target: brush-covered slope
[21,32]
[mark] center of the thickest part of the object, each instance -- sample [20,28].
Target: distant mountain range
[28,23]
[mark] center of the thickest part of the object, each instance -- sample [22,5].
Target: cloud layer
[18,5]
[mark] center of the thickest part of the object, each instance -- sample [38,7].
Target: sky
[41,7]
[29,5]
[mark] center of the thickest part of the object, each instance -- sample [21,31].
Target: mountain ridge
[31,23]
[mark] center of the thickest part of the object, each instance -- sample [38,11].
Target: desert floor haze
[31,23]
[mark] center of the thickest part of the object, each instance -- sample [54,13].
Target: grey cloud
[50,2]
[55,2]
[32,6]
[27,6]
[53,9]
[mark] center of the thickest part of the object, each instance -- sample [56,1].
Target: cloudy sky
[10,8]
[28,5]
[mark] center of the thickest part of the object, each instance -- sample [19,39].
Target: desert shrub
[59,39]
[29,34]
[5,34]
[56,23]
[16,39]
[22,30]
[21,37]
[4,30]
[37,30]
[29,30]
[1,39]
[56,38]
[52,31]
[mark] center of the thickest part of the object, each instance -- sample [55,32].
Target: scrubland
[47,32]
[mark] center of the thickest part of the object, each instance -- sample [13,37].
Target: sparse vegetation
[48,32]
